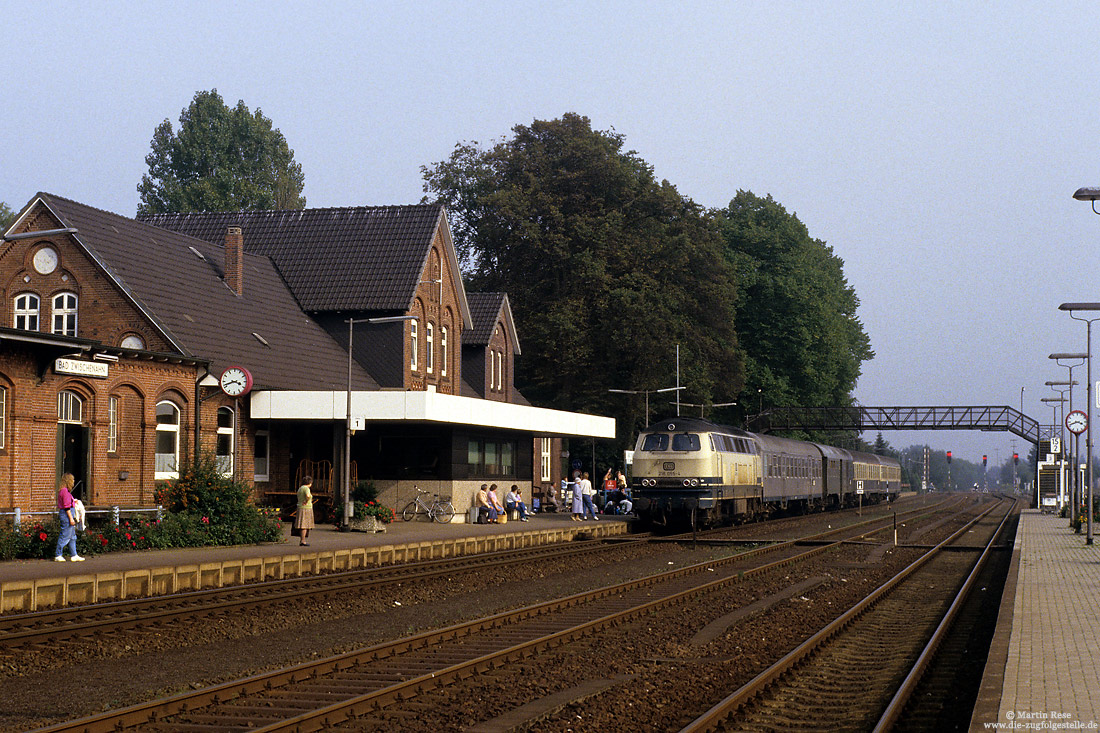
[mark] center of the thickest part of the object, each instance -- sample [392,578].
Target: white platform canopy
[426,407]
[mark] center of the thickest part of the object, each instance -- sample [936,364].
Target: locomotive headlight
[695,482]
[687,482]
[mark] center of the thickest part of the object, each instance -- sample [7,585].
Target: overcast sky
[934,146]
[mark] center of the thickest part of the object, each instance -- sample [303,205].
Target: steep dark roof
[185,296]
[485,310]
[340,259]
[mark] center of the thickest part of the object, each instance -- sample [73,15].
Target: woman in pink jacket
[68,520]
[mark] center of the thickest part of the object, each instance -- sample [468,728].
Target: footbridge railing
[987,417]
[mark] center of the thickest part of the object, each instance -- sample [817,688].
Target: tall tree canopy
[607,270]
[796,320]
[222,159]
[7,216]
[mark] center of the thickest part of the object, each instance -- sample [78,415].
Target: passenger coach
[688,468]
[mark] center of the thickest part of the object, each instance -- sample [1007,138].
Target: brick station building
[120,335]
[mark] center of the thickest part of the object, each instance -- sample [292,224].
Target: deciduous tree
[7,216]
[606,268]
[796,319]
[221,159]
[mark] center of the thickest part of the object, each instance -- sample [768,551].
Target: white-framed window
[260,452]
[70,407]
[545,459]
[413,343]
[26,311]
[3,416]
[224,450]
[492,371]
[500,371]
[168,441]
[429,345]
[112,424]
[443,351]
[64,314]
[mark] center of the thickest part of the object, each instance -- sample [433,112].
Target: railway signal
[1015,459]
[985,459]
[949,457]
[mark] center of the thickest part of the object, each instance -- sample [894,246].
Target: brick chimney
[234,260]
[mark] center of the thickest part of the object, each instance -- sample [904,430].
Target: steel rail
[896,706]
[18,630]
[339,712]
[159,710]
[71,622]
[720,713]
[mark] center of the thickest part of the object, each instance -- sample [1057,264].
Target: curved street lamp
[646,392]
[1087,193]
[1094,309]
[346,483]
[1077,359]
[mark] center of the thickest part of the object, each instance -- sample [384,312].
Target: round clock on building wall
[236,381]
[45,260]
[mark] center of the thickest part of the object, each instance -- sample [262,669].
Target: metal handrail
[115,511]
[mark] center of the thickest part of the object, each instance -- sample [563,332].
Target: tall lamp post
[1077,360]
[1090,194]
[1094,309]
[346,489]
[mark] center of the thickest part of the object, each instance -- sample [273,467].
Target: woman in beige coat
[303,518]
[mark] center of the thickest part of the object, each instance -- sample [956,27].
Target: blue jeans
[589,506]
[67,537]
[513,505]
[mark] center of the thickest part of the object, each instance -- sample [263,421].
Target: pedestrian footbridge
[860,418]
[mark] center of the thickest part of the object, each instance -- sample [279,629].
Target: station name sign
[81,368]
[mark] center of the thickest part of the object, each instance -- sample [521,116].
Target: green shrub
[364,503]
[362,510]
[364,491]
[203,508]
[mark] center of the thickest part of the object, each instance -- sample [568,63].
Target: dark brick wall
[29,460]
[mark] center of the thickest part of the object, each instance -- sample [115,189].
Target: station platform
[29,585]
[1043,671]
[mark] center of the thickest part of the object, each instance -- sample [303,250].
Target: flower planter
[367,524]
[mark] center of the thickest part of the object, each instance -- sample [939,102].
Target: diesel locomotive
[691,470]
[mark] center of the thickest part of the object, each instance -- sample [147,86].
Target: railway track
[321,694]
[76,622]
[860,672]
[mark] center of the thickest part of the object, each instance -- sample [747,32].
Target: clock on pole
[1077,422]
[236,381]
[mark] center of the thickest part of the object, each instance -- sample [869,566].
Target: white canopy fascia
[426,407]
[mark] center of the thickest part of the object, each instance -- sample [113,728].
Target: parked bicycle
[439,510]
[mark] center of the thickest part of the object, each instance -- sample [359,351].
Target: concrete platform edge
[988,703]
[28,595]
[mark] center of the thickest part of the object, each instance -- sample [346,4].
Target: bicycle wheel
[443,512]
[409,511]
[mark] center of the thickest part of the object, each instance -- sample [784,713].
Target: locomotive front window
[655,441]
[685,441]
